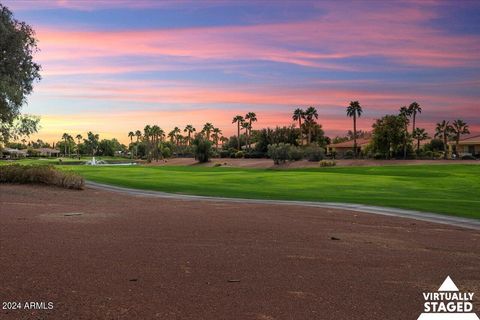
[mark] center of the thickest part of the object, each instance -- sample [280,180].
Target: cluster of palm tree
[446,131]
[309,117]
[153,136]
[245,123]
[69,141]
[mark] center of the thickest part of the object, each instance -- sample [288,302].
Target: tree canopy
[18,72]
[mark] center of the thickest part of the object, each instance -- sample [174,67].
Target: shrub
[166,152]
[468,157]
[239,154]
[43,174]
[378,156]
[348,154]
[327,163]
[314,153]
[295,153]
[217,165]
[202,149]
[255,155]
[279,152]
[224,153]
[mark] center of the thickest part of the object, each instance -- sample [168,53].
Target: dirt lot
[267,163]
[102,255]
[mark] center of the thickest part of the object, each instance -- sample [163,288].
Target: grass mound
[42,174]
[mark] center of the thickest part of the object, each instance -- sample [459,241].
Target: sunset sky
[114,66]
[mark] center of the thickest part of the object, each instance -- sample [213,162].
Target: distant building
[468,145]
[10,153]
[342,147]
[47,152]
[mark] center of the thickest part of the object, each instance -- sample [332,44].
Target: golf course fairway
[447,189]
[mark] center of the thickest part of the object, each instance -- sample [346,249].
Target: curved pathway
[417,215]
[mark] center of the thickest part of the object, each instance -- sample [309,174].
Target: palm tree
[311,115]
[79,138]
[405,114]
[444,131]
[459,127]
[207,128]
[239,120]
[247,128]
[65,138]
[216,136]
[223,140]
[190,129]
[138,134]
[131,135]
[298,115]
[251,117]
[354,110]
[414,108]
[420,134]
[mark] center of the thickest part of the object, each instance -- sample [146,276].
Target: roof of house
[47,150]
[470,139]
[11,150]
[349,143]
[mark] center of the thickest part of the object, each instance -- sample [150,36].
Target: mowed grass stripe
[449,189]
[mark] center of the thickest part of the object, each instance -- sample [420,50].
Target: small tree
[202,149]
[279,153]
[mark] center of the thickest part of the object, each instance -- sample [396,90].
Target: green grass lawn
[448,189]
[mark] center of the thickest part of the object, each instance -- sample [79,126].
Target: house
[11,153]
[341,148]
[468,145]
[47,152]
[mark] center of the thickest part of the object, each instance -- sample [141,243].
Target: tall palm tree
[443,131]
[79,139]
[459,127]
[420,134]
[190,129]
[311,115]
[131,135]
[414,108]
[247,128]
[251,117]
[216,136]
[207,128]
[405,114]
[239,120]
[147,133]
[299,115]
[354,110]
[65,139]
[138,134]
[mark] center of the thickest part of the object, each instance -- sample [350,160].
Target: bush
[348,154]
[314,153]
[202,149]
[327,163]
[43,174]
[255,155]
[468,157]
[217,165]
[295,153]
[166,152]
[279,152]
[224,153]
[378,156]
[239,154]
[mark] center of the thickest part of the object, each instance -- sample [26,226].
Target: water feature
[95,162]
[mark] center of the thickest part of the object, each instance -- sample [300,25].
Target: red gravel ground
[128,257]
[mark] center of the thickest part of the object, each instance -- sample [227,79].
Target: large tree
[388,135]
[354,110]
[420,134]
[311,115]
[459,128]
[443,131]
[413,109]
[299,115]
[18,72]
[239,121]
